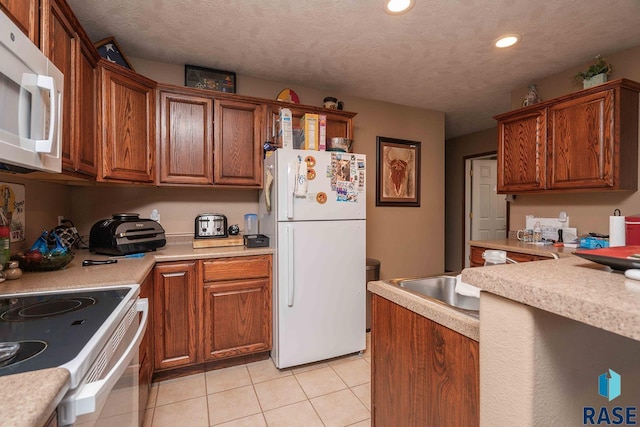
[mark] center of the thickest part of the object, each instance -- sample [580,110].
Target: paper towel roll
[617,231]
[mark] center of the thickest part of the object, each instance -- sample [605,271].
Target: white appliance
[319,288]
[94,333]
[30,104]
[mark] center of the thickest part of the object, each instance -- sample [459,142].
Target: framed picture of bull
[397,172]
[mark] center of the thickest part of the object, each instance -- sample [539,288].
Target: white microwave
[31,90]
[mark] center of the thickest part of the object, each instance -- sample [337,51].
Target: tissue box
[593,243]
[256,240]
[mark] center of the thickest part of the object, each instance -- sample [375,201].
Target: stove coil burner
[25,351]
[47,308]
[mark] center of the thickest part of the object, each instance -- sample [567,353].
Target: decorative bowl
[31,261]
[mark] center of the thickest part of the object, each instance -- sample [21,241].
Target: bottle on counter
[537,232]
[5,250]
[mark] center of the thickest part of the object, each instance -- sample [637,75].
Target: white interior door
[488,208]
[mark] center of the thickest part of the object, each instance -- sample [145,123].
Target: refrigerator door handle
[291,182]
[290,279]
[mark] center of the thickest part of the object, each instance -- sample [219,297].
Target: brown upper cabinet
[68,47]
[585,141]
[126,133]
[185,137]
[26,15]
[237,144]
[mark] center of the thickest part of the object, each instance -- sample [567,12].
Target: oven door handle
[90,393]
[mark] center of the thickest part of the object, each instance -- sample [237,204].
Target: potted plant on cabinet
[594,75]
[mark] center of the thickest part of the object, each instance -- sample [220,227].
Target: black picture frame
[209,78]
[109,49]
[397,172]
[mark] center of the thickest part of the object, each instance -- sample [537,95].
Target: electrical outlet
[60,219]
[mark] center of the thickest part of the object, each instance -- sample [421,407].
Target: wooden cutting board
[219,242]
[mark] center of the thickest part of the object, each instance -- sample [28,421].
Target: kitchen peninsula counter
[570,287]
[549,330]
[28,399]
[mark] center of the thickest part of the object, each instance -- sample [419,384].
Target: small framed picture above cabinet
[208,78]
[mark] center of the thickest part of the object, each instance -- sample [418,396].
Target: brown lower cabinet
[210,311]
[176,310]
[423,374]
[476,259]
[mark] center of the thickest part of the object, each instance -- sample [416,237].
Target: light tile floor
[330,393]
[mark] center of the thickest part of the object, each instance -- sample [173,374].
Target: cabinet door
[175,312]
[522,152]
[26,15]
[58,40]
[84,150]
[186,139]
[237,318]
[238,143]
[581,142]
[64,46]
[127,120]
[237,306]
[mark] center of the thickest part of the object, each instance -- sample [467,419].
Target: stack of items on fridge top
[311,134]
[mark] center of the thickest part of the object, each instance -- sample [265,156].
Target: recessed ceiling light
[508,40]
[395,7]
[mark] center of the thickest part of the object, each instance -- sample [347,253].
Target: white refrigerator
[319,288]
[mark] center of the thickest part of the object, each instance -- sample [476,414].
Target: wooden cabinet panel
[85,102]
[64,42]
[58,40]
[238,143]
[127,126]
[26,15]
[236,268]
[237,308]
[522,152]
[590,139]
[423,374]
[237,318]
[185,139]
[176,313]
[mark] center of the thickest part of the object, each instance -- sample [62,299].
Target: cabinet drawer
[236,268]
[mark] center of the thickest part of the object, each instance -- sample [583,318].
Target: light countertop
[516,245]
[570,287]
[28,399]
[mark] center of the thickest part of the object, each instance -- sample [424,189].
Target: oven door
[108,396]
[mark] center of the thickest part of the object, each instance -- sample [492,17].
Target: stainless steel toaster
[210,225]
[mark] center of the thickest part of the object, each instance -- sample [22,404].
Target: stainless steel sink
[440,288]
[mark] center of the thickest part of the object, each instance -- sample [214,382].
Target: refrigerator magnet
[310,160]
[321,198]
[311,174]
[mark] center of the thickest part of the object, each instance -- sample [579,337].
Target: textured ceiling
[438,56]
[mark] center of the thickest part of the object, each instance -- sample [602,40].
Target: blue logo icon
[609,385]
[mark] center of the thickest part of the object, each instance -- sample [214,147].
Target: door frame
[466,203]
